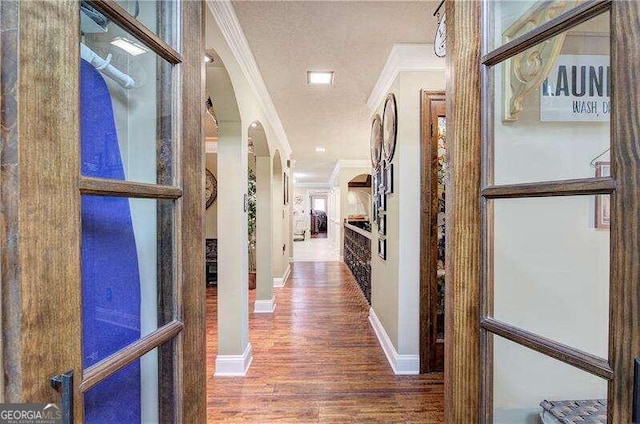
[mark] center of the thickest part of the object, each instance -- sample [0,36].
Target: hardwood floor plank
[317,360]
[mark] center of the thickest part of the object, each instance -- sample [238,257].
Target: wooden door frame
[462,252]
[41,190]
[430,350]
[464,342]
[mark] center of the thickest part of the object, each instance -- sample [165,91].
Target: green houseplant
[251,216]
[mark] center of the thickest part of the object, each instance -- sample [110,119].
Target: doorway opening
[432,231]
[318,216]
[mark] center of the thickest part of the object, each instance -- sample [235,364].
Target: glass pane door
[547,218]
[129,314]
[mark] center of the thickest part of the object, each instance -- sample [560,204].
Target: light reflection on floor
[315,250]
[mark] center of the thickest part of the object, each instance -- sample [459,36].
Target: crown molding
[225,17]
[320,186]
[347,163]
[403,58]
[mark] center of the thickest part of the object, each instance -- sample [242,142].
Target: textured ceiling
[354,39]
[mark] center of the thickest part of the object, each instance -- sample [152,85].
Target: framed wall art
[382,248]
[382,201]
[389,127]
[388,178]
[382,223]
[375,143]
[380,187]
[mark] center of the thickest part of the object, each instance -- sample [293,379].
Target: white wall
[339,200]
[551,266]
[359,199]
[233,339]
[395,282]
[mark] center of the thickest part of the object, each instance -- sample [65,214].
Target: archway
[226,148]
[260,258]
[359,201]
[278,199]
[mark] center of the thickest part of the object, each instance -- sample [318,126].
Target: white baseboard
[401,364]
[281,282]
[265,306]
[234,365]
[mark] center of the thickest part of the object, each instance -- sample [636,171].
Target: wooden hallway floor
[316,360]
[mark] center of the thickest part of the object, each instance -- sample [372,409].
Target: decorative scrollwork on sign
[525,72]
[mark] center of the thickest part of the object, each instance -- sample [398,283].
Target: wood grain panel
[119,15]
[577,358]
[579,187]
[10,271]
[625,203]
[191,170]
[555,26]
[462,316]
[49,199]
[317,359]
[114,363]
[107,187]
[166,264]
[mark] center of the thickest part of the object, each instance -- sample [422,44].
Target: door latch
[63,383]
[635,416]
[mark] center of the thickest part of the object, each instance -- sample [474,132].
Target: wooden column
[462,339]
[625,231]
[192,392]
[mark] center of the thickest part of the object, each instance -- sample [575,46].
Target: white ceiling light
[254,125]
[320,149]
[318,77]
[134,49]
[208,59]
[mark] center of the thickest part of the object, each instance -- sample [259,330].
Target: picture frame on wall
[382,201]
[374,184]
[389,178]
[382,248]
[603,201]
[382,223]
[380,187]
[374,207]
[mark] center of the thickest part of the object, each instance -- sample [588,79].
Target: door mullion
[624,322]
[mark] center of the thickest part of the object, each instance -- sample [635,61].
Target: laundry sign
[578,88]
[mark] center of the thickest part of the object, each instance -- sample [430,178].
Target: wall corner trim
[264,306]
[346,163]
[234,365]
[227,20]
[401,364]
[403,57]
[281,282]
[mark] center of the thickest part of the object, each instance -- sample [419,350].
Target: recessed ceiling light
[134,49]
[320,149]
[318,77]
